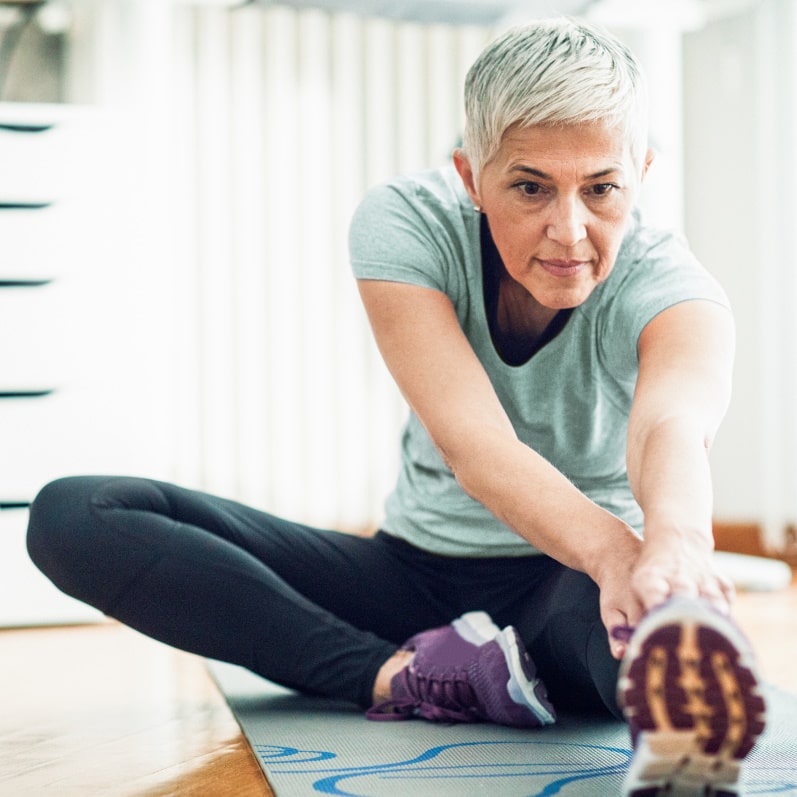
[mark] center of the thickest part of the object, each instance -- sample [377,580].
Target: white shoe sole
[689,690]
[522,690]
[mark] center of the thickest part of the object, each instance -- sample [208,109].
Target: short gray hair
[552,72]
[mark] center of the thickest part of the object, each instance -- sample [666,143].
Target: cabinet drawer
[76,430]
[47,152]
[33,338]
[47,437]
[35,166]
[35,439]
[37,243]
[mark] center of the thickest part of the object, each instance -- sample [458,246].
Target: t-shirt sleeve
[663,273]
[396,236]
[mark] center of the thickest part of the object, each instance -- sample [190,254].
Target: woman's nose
[567,222]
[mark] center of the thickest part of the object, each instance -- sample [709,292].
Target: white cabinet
[51,408]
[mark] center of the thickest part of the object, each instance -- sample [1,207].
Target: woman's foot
[468,671]
[690,693]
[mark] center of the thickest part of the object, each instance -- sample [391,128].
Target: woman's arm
[443,381]
[683,389]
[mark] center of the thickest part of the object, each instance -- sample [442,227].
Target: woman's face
[558,200]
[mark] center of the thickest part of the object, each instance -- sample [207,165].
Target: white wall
[257,131]
[741,219]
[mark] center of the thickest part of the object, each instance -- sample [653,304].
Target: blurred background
[176,180]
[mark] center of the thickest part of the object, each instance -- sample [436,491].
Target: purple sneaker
[468,671]
[689,691]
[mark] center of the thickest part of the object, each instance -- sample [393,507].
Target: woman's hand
[678,564]
[621,607]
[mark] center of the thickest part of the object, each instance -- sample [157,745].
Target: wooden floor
[101,710]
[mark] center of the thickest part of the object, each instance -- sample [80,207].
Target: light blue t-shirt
[570,401]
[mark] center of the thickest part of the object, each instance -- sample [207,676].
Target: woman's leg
[556,612]
[562,628]
[313,610]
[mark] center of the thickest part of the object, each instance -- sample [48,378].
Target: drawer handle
[12,127]
[24,283]
[24,205]
[18,394]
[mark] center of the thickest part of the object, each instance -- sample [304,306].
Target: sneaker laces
[447,697]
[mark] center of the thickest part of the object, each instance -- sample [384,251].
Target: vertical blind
[280,120]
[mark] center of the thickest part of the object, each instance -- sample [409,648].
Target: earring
[477,208]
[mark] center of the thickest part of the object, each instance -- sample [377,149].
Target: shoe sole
[689,691]
[523,685]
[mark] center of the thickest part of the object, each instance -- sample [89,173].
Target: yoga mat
[311,746]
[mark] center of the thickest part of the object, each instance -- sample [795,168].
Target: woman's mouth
[562,268]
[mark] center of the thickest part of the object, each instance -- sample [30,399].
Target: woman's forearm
[670,476]
[536,500]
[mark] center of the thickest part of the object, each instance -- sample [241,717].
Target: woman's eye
[530,189]
[602,189]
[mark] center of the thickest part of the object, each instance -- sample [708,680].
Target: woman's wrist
[618,547]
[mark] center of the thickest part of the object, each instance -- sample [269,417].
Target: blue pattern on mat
[553,773]
[441,762]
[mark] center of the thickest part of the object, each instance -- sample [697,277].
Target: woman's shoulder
[436,192]
[643,242]
[655,269]
[660,261]
[418,228]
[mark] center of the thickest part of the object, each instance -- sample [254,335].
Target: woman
[566,369]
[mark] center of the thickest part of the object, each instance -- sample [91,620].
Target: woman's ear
[465,171]
[649,156]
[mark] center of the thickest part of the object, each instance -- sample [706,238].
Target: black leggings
[317,611]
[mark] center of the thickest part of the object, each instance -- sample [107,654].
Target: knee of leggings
[75,541]
[65,520]
[55,517]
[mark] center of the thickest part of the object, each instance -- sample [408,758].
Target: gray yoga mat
[314,746]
